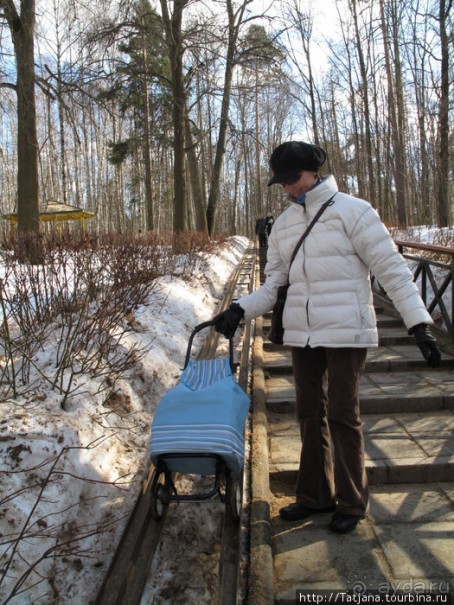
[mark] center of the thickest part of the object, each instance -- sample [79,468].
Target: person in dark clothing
[260,230]
[269,221]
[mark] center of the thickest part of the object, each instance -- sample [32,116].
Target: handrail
[427,247]
[440,284]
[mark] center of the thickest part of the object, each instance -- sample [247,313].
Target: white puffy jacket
[329,301]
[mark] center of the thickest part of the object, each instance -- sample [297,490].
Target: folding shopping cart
[198,429]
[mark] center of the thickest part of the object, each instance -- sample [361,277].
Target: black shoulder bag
[276,333]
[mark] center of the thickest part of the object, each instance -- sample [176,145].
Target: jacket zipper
[307,301]
[308,322]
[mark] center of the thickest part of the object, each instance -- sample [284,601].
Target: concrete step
[404,545]
[407,411]
[406,540]
[394,336]
[400,448]
[380,359]
[381,392]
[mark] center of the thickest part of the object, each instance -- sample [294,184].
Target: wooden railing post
[426,270]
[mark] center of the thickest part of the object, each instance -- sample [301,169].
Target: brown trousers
[332,466]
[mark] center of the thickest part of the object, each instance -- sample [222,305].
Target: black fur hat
[289,159]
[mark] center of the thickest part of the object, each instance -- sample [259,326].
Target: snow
[425,234]
[70,477]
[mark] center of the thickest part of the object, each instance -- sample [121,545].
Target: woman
[329,322]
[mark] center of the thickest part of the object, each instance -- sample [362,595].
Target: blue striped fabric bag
[205,413]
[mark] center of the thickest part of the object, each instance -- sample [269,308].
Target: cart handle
[202,326]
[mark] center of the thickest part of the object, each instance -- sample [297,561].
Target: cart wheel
[160,497]
[223,488]
[234,497]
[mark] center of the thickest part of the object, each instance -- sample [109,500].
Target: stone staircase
[407,410]
[406,542]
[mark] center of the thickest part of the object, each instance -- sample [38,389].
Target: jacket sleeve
[374,245]
[262,300]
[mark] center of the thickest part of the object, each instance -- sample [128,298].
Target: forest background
[161,115]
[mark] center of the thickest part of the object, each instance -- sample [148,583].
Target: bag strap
[321,210]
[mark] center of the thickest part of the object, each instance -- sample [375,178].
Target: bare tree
[364,88]
[195,180]
[174,39]
[22,28]
[236,18]
[395,105]
[302,20]
[445,7]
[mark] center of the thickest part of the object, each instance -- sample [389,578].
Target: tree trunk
[22,30]
[61,116]
[397,136]
[304,24]
[147,159]
[423,184]
[443,119]
[174,40]
[258,172]
[370,193]
[195,181]
[220,146]
[235,20]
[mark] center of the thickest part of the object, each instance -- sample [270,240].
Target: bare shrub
[81,297]
[190,249]
[444,237]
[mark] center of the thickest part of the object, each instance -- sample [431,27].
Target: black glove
[227,322]
[427,343]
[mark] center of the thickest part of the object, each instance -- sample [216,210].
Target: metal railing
[433,273]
